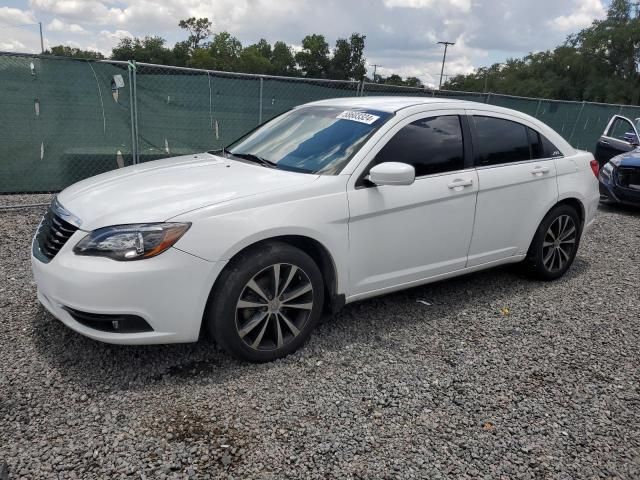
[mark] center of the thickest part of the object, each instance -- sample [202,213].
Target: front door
[399,235]
[620,136]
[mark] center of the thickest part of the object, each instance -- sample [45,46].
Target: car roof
[393,104]
[388,103]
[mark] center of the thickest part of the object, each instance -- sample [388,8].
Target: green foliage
[599,63]
[150,49]
[199,29]
[313,59]
[65,51]
[348,58]
[283,61]
[224,52]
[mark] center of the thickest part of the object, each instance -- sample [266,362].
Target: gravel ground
[390,388]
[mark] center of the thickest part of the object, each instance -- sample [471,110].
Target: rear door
[620,136]
[517,185]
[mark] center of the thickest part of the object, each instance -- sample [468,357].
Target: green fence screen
[66,119]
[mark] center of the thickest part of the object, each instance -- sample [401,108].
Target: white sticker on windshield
[358,117]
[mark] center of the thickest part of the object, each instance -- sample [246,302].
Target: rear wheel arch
[576,204]
[533,263]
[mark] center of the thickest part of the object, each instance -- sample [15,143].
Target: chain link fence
[67,119]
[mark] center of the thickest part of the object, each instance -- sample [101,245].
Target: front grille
[53,233]
[629,177]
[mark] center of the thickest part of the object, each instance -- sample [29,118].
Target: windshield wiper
[255,159]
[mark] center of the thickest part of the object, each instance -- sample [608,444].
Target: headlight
[131,242]
[607,169]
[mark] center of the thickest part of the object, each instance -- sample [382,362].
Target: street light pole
[444,58]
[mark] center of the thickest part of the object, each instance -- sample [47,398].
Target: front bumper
[615,193]
[169,292]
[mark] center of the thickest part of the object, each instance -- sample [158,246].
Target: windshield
[310,139]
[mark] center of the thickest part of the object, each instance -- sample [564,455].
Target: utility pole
[41,39]
[375,67]
[444,58]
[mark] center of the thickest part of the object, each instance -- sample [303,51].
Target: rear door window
[500,141]
[541,147]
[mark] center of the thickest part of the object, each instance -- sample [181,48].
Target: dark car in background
[618,155]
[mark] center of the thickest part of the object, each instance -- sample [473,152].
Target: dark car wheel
[554,244]
[266,302]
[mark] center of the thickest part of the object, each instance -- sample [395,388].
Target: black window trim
[467,148]
[476,150]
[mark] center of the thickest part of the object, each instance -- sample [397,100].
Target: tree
[150,49]
[340,66]
[253,60]
[66,51]
[348,61]
[199,29]
[599,63]
[394,80]
[182,53]
[314,57]
[223,53]
[358,62]
[282,60]
[413,82]
[263,47]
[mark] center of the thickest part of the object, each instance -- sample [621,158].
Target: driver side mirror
[392,173]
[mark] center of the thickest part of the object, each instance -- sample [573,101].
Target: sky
[402,35]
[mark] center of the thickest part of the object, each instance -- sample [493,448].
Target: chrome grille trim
[53,232]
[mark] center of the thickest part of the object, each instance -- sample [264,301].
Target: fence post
[362,87]
[537,109]
[576,123]
[488,98]
[131,67]
[260,108]
[210,102]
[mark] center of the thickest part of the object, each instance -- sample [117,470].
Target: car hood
[159,190]
[630,159]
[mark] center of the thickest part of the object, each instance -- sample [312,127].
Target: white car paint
[379,239]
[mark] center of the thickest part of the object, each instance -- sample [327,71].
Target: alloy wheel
[559,243]
[274,307]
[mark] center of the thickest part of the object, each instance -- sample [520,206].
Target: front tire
[554,244]
[266,302]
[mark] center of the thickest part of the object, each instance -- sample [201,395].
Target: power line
[20,26]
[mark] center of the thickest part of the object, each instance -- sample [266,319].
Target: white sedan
[332,202]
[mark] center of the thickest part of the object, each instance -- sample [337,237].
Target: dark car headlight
[131,242]
[607,169]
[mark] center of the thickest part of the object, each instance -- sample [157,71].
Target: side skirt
[435,278]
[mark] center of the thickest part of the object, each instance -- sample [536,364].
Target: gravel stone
[499,377]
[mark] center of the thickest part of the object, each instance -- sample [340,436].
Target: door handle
[604,142]
[540,170]
[460,183]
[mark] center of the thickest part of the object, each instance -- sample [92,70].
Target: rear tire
[266,302]
[554,244]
